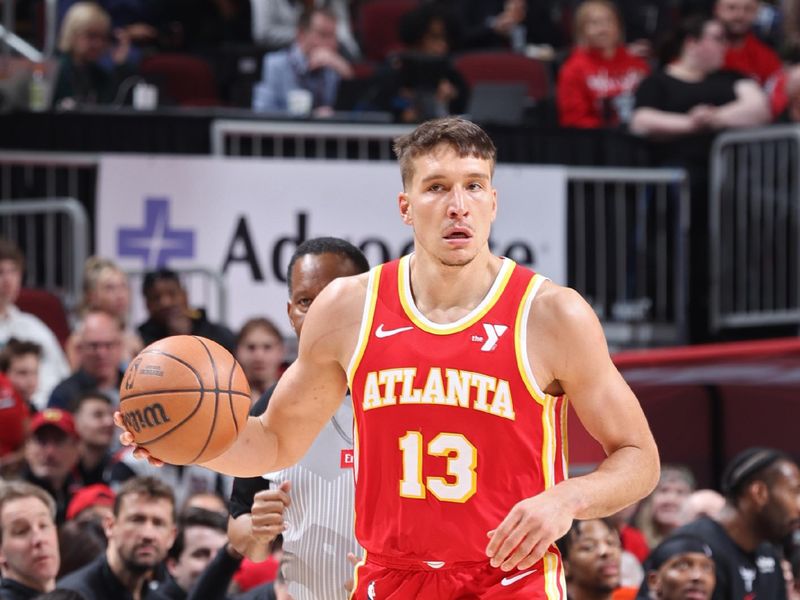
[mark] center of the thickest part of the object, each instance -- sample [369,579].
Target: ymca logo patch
[493,335]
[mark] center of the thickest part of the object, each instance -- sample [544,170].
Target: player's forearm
[253,453]
[625,476]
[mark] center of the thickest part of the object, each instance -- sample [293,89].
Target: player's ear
[405,208]
[494,204]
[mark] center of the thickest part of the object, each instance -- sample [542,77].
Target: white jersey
[319,522]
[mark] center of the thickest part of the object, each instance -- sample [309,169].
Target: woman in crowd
[85,42]
[105,287]
[597,82]
[260,351]
[662,512]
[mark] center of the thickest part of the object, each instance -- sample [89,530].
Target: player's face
[260,353]
[142,532]
[29,548]
[781,515]
[94,421]
[310,274]
[688,576]
[201,544]
[451,204]
[594,558]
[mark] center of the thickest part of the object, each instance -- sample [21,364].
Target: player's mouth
[457,235]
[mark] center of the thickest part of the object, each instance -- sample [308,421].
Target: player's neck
[446,293]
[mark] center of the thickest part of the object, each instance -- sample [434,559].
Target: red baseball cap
[97,494]
[54,417]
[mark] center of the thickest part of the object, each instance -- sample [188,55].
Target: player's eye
[436,187]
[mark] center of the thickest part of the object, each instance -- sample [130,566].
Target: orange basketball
[185,399]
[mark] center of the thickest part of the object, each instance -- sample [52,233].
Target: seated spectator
[633,540]
[84,40]
[80,543]
[29,558]
[27,327]
[139,536]
[311,63]
[14,422]
[701,503]
[99,350]
[94,422]
[492,23]
[762,508]
[596,84]
[19,362]
[275,23]
[746,53]
[185,481]
[51,455]
[260,351]
[143,21]
[105,287]
[681,567]
[169,312]
[591,551]
[691,96]
[660,512]
[93,502]
[421,82]
[200,560]
[208,501]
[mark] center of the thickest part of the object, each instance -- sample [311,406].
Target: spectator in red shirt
[746,53]
[596,84]
[14,416]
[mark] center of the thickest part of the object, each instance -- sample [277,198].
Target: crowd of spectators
[77,512]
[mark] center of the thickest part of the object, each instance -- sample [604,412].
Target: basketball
[185,399]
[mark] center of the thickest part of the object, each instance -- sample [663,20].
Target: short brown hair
[14,490]
[463,136]
[258,323]
[146,486]
[10,251]
[15,348]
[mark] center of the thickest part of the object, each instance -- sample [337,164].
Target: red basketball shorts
[382,579]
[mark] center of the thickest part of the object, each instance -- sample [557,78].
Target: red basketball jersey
[451,428]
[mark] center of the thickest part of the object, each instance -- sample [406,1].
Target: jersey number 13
[462,458]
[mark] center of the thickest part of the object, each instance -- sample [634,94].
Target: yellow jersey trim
[360,563]
[547,402]
[366,325]
[476,314]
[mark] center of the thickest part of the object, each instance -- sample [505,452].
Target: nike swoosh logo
[509,580]
[380,332]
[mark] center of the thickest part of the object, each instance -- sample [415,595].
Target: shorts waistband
[414,564]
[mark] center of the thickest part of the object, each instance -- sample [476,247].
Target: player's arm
[308,393]
[568,353]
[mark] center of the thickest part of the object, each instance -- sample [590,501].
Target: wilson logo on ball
[151,416]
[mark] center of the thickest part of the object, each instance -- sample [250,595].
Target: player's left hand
[528,530]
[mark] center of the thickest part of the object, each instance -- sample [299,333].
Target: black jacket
[96,581]
[13,590]
[152,331]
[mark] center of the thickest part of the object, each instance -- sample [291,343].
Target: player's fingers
[126,438]
[118,421]
[352,559]
[534,556]
[521,552]
[500,546]
[278,495]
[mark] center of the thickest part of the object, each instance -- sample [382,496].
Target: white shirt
[53,366]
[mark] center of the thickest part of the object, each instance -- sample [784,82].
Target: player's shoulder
[345,291]
[560,304]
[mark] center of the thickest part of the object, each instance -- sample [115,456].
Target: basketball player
[459,363]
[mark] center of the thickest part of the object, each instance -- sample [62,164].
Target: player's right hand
[266,514]
[126,439]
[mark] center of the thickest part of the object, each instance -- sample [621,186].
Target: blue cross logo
[156,242]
